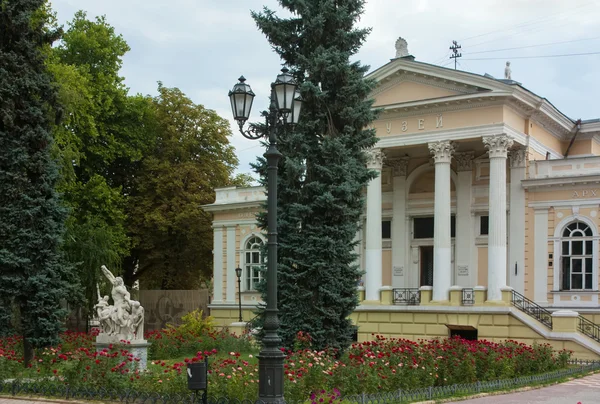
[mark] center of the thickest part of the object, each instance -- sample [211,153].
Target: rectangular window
[386,229]
[423,227]
[484,225]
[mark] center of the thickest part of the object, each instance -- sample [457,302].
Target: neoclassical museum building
[483,222]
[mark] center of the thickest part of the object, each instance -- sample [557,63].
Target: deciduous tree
[191,156]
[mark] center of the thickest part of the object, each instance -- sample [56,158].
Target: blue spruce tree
[323,172]
[33,278]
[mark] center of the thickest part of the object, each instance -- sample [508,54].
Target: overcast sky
[203,46]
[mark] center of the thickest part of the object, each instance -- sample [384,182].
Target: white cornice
[582,203]
[231,206]
[233,222]
[560,182]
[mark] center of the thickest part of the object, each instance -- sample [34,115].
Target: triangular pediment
[407,89]
[405,81]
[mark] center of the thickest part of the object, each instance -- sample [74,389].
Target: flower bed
[382,365]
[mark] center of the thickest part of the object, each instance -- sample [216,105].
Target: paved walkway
[585,391]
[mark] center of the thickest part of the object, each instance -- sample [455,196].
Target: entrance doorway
[426,262]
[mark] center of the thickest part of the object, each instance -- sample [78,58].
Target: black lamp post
[283,113]
[238,273]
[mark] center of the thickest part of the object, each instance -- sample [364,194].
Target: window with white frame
[577,257]
[253,262]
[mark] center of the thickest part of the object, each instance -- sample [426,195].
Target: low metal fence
[35,388]
[531,308]
[409,296]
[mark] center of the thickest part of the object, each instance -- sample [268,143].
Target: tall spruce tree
[323,172]
[33,278]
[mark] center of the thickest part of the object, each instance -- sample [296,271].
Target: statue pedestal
[139,348]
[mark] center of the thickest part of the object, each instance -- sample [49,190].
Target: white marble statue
[507,71]
[124,320]
[401,48]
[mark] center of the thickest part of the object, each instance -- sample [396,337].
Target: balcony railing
[411,297]
[586,327]
[531,308]
[468,297]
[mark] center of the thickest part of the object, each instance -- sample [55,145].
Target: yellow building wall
[224,317]
[529,249]
[493,327]
[482,266]
[386,266]
[429,122]
[595,148]
[514,120]
[579,147]
[415,325]
[546,138]
[407,91]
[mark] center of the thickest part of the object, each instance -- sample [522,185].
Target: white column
[464,219]
[540,256]
[231,276]
[218,265]
[497,149]
[516,238]
[399,270]
[442,254]
[373,257]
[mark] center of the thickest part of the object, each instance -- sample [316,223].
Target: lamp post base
[270,375]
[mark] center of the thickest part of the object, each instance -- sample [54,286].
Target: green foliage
[174,342]
[99,144]
[190,157]
[323,172]
[34,276]
[194,323]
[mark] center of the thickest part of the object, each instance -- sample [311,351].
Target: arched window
[253,262]
[577,257]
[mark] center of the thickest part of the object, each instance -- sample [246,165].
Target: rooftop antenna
[455,55]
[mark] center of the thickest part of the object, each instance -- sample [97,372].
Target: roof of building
[485,76]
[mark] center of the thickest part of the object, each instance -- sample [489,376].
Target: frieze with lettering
[418,124]
[585,193]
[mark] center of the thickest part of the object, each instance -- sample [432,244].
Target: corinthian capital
[518,157]
[442,150]
[375,159]
[498,145]
[464,161]
[399,165]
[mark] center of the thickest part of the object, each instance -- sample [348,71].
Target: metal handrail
[409,296]
[586,327]
[531,308]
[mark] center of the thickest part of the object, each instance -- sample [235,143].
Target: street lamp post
[238,273]
[283,113]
